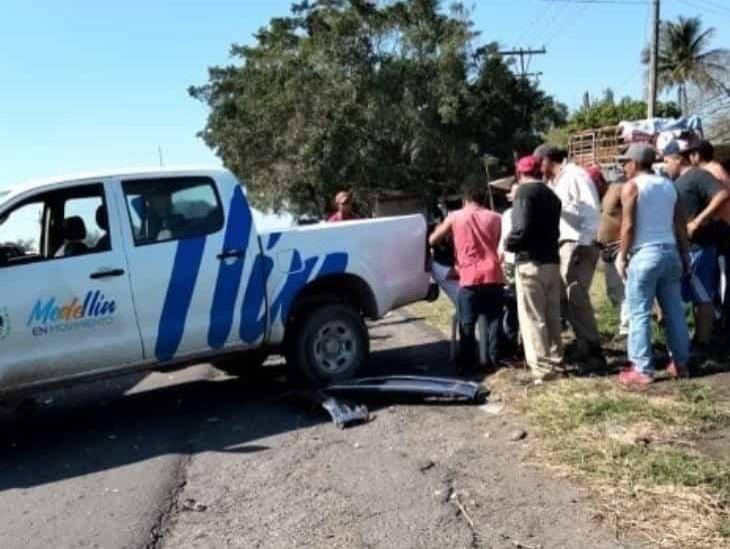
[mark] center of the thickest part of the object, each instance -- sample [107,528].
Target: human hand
[692,227]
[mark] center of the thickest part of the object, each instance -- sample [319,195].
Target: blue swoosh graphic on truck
[294,282]
[184,276]
[185,269]
[253,315]
[238,232]
[335,263]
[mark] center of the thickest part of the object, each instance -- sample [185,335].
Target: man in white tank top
[654,237]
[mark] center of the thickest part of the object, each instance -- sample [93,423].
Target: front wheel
[330,344]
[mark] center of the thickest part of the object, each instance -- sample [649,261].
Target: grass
[638,452]
[438,314]
[723,529]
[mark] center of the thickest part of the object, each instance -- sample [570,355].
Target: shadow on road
[221,415]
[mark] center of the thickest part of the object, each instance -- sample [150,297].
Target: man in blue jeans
[654,235]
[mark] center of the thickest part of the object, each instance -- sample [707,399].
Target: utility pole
[653,61]
[159,154]
[522,53]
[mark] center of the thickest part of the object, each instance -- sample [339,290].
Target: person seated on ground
[344,208]
[443,268]
[534,241]
[654,235]
[476,232]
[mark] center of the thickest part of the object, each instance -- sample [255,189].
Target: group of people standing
[659,237]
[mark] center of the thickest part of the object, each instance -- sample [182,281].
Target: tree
[606,112]
[686,59]
[371,97]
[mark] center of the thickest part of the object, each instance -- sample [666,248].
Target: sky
[89,84]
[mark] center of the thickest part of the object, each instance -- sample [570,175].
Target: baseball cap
[676,147]
[528,165]
[595,173]
[639,152]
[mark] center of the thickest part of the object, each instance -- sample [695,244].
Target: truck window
[56,224]
[92,212]
[167,209]
[20,234]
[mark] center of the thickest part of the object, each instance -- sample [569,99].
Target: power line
[566,24]
[534,22]
[626,2]
[705,7]
[554,20]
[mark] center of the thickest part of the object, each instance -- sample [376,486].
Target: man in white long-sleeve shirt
[579,221]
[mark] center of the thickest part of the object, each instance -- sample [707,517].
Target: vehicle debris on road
[427,386]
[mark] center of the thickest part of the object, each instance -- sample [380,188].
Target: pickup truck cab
[120,272]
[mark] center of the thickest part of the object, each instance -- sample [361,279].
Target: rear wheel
[330,343]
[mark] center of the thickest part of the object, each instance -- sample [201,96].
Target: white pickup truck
[121,272]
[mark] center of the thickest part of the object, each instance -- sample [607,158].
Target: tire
[241,364]
[330,343]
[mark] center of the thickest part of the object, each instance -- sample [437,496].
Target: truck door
[191,247]
[66,304]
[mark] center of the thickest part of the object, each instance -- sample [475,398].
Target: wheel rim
[335,347]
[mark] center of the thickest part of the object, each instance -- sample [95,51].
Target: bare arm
[629,198]
[714,205]
[441,232]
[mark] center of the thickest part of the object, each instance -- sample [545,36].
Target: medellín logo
[93,311]
[4,323]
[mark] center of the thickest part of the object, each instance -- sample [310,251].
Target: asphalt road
[195,458]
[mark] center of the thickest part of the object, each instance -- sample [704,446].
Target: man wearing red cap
[579,221]
[534,240]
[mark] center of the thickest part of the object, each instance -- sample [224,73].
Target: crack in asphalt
[169,508]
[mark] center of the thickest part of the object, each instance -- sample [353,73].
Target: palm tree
[686,59]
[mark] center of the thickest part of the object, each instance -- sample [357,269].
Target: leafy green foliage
[374,98]
[607,112]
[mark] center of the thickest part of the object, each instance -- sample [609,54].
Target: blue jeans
[485,299]
[655,271]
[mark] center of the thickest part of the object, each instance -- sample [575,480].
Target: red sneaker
[633,379]
[677,371]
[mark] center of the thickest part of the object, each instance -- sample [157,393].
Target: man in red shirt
[476,232]
[343,204]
